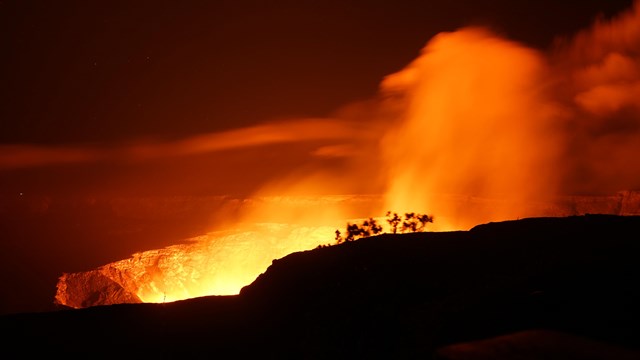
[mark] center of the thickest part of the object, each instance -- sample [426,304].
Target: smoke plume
[476,119]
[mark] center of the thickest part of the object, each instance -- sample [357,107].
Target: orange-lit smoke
[478,128]
[277,132]
[599,72]
[482,117]
[476,123]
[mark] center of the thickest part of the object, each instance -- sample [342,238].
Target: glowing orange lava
[478,128]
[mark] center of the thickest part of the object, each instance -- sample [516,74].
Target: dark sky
[105,71]
[103,74]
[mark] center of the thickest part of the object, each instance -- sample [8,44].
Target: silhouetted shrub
[413,222]
[393,221]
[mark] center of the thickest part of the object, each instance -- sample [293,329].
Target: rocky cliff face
[220,263]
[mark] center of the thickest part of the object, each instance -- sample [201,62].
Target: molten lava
[478,128]
[217,263]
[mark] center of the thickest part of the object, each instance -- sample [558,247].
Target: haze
[110,111]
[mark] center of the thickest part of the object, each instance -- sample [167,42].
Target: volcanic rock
[417,295]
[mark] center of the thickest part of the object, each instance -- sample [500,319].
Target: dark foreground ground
[539,288]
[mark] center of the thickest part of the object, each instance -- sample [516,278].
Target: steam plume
[474,117]
[476,123]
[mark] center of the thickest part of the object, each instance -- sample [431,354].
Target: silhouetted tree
[424,219]
[353,232]
[413,222]
[393,221]
[370,227]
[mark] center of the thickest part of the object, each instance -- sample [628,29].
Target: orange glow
[476,123]
[217,263]
[23,156]
[300,130]
[258,135]
[476,129]
[222,262]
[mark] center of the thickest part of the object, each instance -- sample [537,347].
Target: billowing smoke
[478,117]
[475,119]
[476,122]
[598,82]
[280,132]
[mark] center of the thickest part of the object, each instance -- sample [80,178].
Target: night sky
[107,75]
[104,74]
